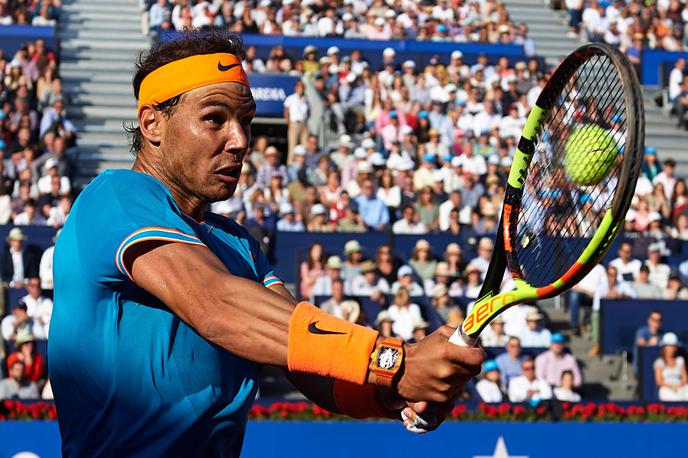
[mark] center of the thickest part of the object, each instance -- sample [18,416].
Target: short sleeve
[118,211]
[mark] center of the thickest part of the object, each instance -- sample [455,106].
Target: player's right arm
[253,321]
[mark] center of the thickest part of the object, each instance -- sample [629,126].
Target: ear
[149,123]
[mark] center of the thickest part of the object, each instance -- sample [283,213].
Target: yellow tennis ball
[591,152]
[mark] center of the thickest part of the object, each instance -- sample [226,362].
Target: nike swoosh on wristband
[313,329]
[224,68]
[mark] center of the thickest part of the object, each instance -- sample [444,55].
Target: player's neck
[188,203]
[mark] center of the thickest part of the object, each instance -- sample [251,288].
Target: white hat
[437,175]
[406,165]
[379,21]
[409,63]
[450,87]
[351,77]
[332,50]
[630,215]
[368,143]
[352,246]
[345,140]
[300,150]
[406,130]
[390,13]
[286,208]
[16,234]
[360,153]
[456,55]
[534,314]
[347,17]
[404,270]
[669,339]
[457,161]
[388,51]
[334,262]
[318,209]
[493,159]
[50,163]
[377,159]
[364,167]
[654,216]
[510,78]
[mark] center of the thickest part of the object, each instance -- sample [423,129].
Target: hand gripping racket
[570,185]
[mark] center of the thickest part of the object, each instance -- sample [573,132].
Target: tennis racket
[570,185]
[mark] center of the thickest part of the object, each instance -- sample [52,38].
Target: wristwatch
[386,360]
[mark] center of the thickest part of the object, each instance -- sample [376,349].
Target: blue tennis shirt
[129,377]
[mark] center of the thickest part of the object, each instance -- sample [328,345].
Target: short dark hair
[192,43]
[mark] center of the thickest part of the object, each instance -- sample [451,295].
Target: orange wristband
[359,401]
[321,344]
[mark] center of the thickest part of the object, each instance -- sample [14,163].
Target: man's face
[528,368]
[34,288]
[557,348]
[204,141]
[17,371]
[625,252]
[19,313]
[654,322]
[513,347]
[337,291]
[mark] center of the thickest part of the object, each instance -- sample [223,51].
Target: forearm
[237,314]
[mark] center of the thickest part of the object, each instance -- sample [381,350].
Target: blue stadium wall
[389,440]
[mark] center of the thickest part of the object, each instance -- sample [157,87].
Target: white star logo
[501,451]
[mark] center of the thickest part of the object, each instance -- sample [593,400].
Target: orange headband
[182,75]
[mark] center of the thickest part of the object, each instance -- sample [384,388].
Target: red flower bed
[609,411]
[17,410]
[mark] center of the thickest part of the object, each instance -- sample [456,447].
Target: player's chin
[222,187]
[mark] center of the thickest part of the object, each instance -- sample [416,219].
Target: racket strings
[558,213]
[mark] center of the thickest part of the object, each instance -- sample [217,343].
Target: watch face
[387,358]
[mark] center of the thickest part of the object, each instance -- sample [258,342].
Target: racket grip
[462,339]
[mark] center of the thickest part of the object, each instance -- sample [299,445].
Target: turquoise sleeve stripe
[271,279]
[152,233]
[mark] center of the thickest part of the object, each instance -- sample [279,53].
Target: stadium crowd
[442,21]
[38,13]
[35,190]
[630,25]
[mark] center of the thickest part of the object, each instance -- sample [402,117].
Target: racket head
[554,227]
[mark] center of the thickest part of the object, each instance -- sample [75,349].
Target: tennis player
[163,310]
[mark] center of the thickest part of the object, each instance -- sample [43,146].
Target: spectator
[16,386]
[667,177]
[339,307]
[311,269]
[271,166]
[490,387]
[323,285]
[527,387]
[409,223]
[482,261]
[383,323]
[493,335]
[46,266]
[386,264]
[368,283]
[564,392]
[30,216]
[473,282]
[296,115]
[38,307]
[55,120]
[427,209]
[625,265]
[420,331]
[353,252]
[443,305]
[421,260]
[318,219]
[18,262]
[551,364]
[375,214]
[25,351]
[675,290]
[642,286]
[288,221]
[404,313]
[670,371]
[45,183]
[658,271]
[535,335]
[405,280]
[17,323]
[612,288]
[510,361]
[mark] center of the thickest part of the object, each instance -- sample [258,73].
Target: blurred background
[387,128]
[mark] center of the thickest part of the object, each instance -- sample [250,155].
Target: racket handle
[462,339]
